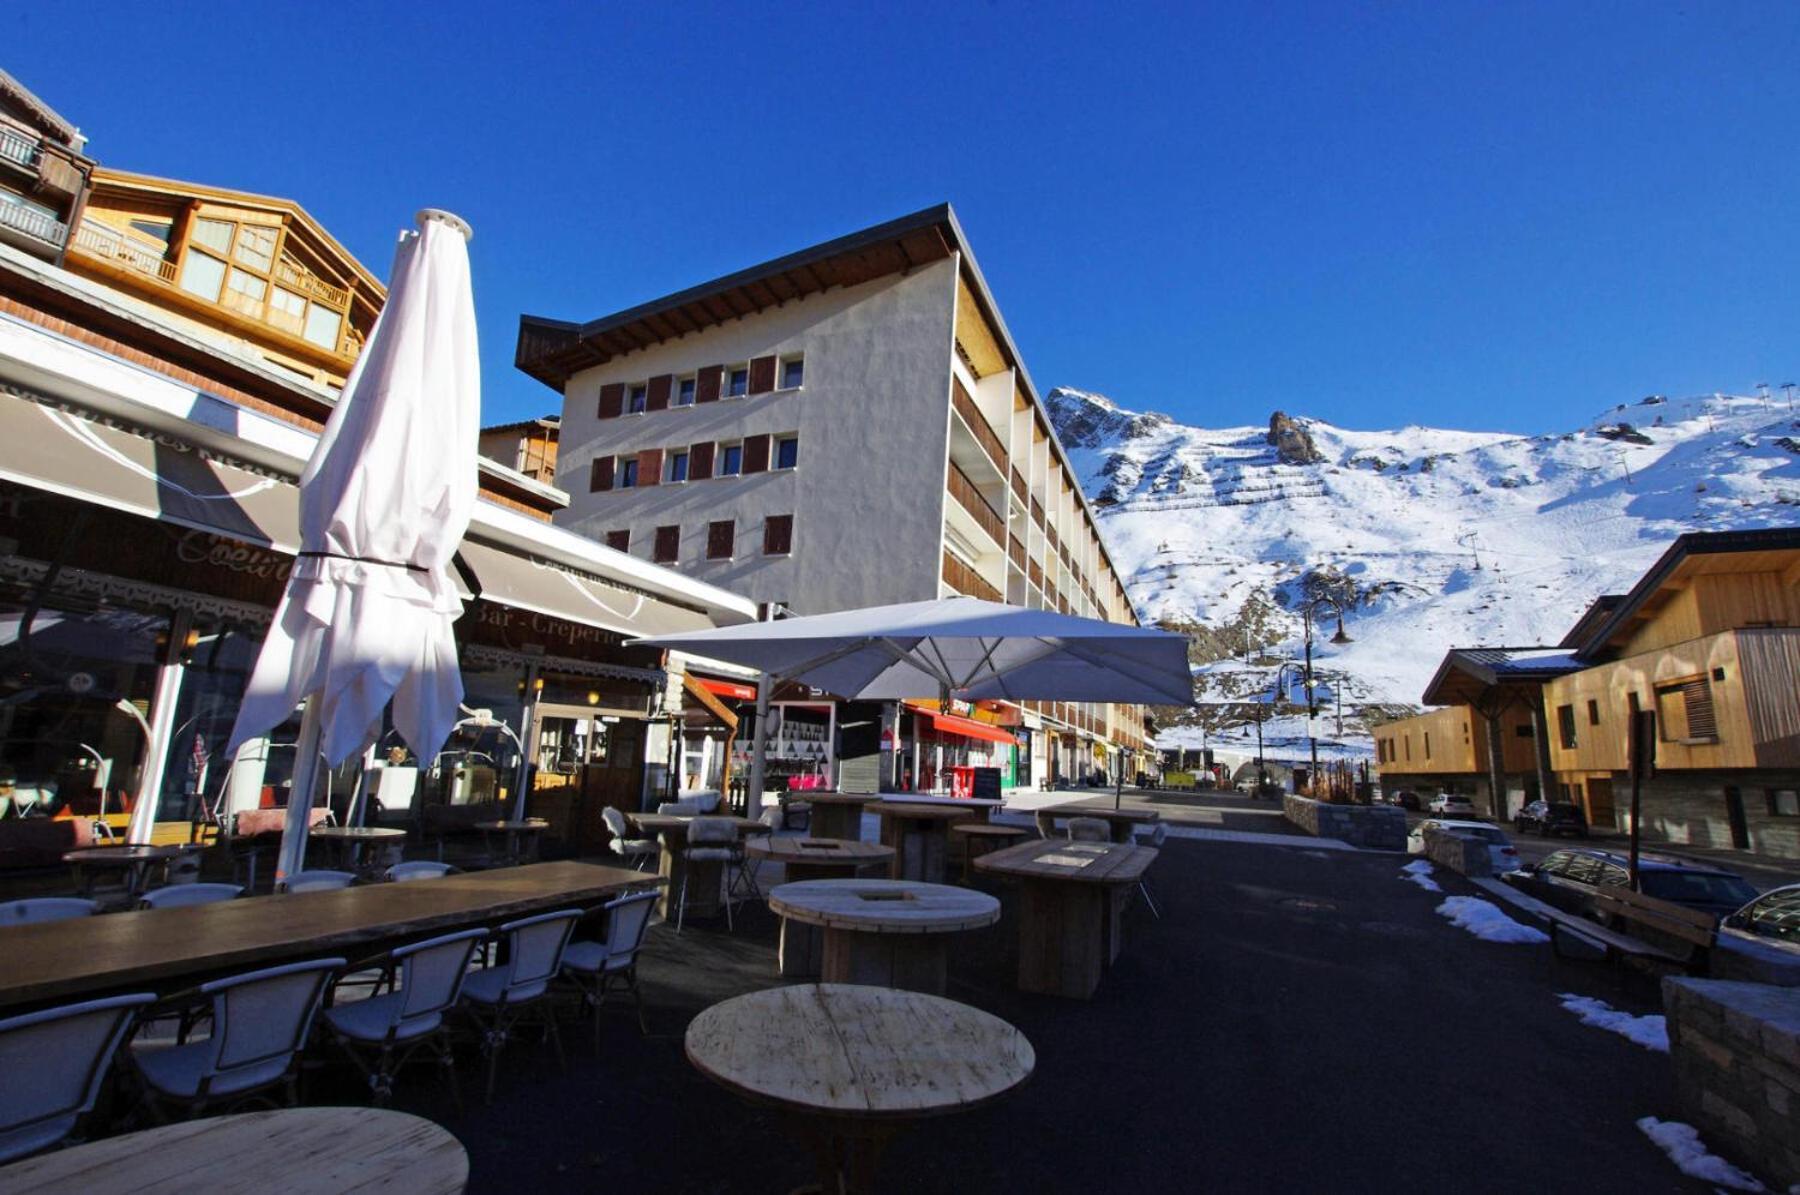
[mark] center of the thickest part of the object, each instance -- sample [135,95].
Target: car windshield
[1564,811]
[1778,915]
[1701,886]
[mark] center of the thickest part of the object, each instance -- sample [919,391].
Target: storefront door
[586,760]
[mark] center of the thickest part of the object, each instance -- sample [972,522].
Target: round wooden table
[294,1149]
[521,838]
[350,840]
[884,932]
[837,815]
[671,830]
[990,836]
[134,861]
[1119,822]
[916,831]
[855,1065]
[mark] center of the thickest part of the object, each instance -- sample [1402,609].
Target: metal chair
[382,1033]
[1158,835]
[55,1061]
[1089,829]
[418,869]
[45,908]
[180,896]
[498,997]
[595,967]
[637,850]
[709,840]
[741,882]
[260,1020]
[318,880]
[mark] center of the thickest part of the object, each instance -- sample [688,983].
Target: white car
[1450,804]
[1502,855]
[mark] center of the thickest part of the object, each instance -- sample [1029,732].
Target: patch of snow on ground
[1419,872]
[1651,1032]
[1486,921]
[1682,1143]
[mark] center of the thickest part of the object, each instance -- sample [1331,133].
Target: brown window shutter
[601,476]
[700,461]
[778,535]
[756,454]
[612,400]
[658,398]
[668,545]
[650,467]
[619,541]
[721,540]
[706,383]
[762,375]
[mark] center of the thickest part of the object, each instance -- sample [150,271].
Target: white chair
[260,1021]
[637,850]
[318,880]
[703,802]
[709,840]
[382,1033]
[680,808]
[55,1060]
[498,997]
[45,908]
[180,896]
[1089,829]
[595,967]
[418,869]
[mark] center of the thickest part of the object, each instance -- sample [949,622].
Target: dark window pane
[628,473]
[684,394]
[668,545]
[639,399]
[778,535]
[732,460]
[678,466]
[792,373]
[720,540]
[619,541]
[787,453]
[739,383]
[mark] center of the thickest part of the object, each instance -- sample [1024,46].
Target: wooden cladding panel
[1769,666]
[1019,488]
[657,399]
[1015,551]
[756,454]
[762,375]
[650,467]
[978,424]
[706,383]
[700,461]
[971,500]
[612,400]
[967,581]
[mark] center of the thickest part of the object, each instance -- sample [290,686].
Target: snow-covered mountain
[1434,538]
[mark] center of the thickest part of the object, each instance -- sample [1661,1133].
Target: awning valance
[968,728]
[529,584]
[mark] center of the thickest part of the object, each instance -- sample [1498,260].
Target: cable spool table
[885,932]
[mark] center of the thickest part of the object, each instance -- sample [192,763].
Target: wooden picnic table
[703,889]
[1121,822]
[885,932]
[835,814]
[1071,898]
[302,1150]
[163,950]
[856,1064]
[991,836]
[918,832]
[135,861]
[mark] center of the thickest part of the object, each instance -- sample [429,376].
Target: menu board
[987,784]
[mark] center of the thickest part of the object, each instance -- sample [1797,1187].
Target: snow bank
[1486,921]
[1651,1032]
[1682,1143]
[1419,872]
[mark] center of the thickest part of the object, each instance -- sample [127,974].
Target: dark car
[1551,818]
[1568,879]
[1406,798]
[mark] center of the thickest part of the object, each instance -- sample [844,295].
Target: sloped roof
[40,113]
[1467,673]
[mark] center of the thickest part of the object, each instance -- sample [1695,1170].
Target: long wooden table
[1071,898]
[164,950]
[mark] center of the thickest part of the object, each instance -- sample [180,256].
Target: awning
[733,690]
[968,728]
[530,584]
[51,449]
[700,691]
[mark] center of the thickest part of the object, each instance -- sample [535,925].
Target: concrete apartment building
[850,425]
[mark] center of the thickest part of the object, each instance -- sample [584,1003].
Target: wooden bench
[1663,919]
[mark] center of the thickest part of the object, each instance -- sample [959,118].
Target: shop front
[938,747]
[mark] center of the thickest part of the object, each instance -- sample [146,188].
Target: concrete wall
[1736,1052]
[1460,853]
[1379,827]
[872,418]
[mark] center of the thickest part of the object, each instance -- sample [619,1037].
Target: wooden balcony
[1015,551]
[32,222]
[967,581]
[1050,534]
[18,148]
[978,425]
[95,239]
[1036,572]
[1020,491]
[970,499]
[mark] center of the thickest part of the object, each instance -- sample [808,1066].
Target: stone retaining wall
[1736,1050]
[1378,827]
[1459,852]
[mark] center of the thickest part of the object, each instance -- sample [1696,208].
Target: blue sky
[1504,216]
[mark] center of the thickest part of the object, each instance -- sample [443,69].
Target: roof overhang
[1484,677]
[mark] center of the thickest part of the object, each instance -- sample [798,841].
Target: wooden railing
[291,273]
[1015,551]
[36,223]
[978,424]
[109,244]
[1050,534]
[970,499]
[1036,573]
[16,147]
[1037,512]
[966,580]
[1020,491]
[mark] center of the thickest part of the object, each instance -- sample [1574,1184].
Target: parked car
[1502,855]
[1550,818]
[1568,880]
[1450,804]
[1406,798]
[1761,941]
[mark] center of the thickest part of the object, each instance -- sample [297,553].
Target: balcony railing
[1015,551]
[970,499]
[966,580]
[16,147]
[1037,512]
[291,273]
[33,222]
[97,240]
[978,424]
[1019,489]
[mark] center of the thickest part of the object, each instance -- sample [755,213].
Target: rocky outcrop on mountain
[1090,421]
[1293,443]
[1623,432]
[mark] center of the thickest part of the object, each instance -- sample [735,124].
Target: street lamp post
[1312,706]
[1280,688]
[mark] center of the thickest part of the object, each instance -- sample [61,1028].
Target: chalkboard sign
[987,784]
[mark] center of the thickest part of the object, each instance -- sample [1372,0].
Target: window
[202,275]
[1684,712]
[1428,744]
[793,373]
[248,285]
[731,460]
[1784,802]
[255,247]
[628,473]
[620,540]
[156,230]
[640,398]
[1524,731]
[678,466]
[738,384]
[721,539]
[214,234]
[787,452]
[778,535]
[288,303]
[322,326]
[668,545]
[1565,726]
[1593,712]
[684,392]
